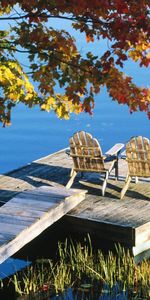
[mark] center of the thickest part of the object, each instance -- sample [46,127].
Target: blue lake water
[35,133]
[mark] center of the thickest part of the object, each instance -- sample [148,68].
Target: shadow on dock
[125,221]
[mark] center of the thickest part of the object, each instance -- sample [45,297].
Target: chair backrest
[86,153]
[138,156]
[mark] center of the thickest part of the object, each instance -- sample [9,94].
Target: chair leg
[104,184]
[116,169]
[124,189]
[71,180]
[136,179]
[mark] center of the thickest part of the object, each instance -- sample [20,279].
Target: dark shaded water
[46,246]
[78,294]
[94,294]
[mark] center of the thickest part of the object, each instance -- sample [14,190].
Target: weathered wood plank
[4,237]
[16,210]
[142,234]
[24,234]
[11,228]
[42,197]
[142,247]
[17,220]
[36,204]
[124,214]
[113,210]
[45,190]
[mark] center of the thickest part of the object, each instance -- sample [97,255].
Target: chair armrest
[123,154]
[67,151]
[115,150]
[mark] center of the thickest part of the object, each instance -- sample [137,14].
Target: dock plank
[14,229]
[13,219]
[17,234]
[16,210]
[35,204]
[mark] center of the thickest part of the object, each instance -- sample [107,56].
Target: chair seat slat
[135,160]
[87,156]
[79,147]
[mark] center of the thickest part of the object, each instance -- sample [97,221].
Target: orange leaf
[89,38]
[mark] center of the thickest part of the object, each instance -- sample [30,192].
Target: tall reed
[78,266]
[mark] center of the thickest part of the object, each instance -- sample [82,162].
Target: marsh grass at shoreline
[80,269]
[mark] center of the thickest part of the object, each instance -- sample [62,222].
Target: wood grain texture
[17,231]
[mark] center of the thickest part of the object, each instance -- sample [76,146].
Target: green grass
[78,267]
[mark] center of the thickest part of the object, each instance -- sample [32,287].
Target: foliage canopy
[54,59]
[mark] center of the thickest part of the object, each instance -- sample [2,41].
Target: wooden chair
[87,157]
[138,159]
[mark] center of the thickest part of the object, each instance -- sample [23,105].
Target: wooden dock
[29,213]
[125,221]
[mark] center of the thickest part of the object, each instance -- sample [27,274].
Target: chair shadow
[113,188]
[38,174]
[137,195]
[134,194]
[31,176]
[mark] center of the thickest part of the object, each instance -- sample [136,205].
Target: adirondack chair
[138,159]
[87,157]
